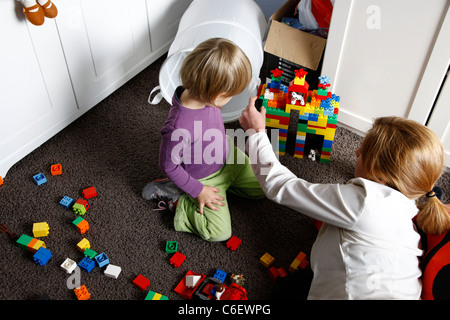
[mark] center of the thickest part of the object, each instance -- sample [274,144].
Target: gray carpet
[114,147]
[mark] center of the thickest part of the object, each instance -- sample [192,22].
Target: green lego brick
[326,149]
[79,209]
[333,119]
[324,160]
[277,112]
[77,221]
[313,131]
[319,111]
[89,253]
[301,127]
[23,241]
[171,246]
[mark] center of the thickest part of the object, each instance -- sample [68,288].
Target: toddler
[199,160]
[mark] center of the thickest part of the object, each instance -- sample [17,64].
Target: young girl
[367,247]
[200,162]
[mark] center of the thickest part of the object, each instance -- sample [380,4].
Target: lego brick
[35,244]
[82,293]
[89,253]
[233,243]
[40,229]
[102,260]
[81,225]
[220,275]
[192,280]
[80,207]
[155,296]
[69,265]
[267,260]
[171,246]
[83,245]
[112,271]
[187,292]
[177,259]
[89,193]
[86,264]
[56,169]
[66,202]
[23,241]
[42,256]
[141,281]
[40,179]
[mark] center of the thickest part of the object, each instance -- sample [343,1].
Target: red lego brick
[233,243]
[177,259]
[141,281]
[89,193]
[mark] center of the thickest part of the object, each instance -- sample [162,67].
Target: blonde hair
[215,66]
[408,157]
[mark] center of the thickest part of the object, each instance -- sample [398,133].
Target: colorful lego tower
[318,112]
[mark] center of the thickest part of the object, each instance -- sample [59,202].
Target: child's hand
[252,118]
[209,197]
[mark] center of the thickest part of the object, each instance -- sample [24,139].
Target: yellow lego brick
[299,81]
[274,123]
[324,157]
[280,138]
[329,134]
[40,229]
[294,265]
[267,260]
[300,156]
[320,132]
[83,245]
[322,120]
[290,107]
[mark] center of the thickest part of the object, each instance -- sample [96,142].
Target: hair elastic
[435,192]
[430,194]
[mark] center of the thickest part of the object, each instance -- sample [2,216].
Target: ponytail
[434,216]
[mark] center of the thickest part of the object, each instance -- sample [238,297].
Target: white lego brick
[191,281]
[112,271]
[69,265]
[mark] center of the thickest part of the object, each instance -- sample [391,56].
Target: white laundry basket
[240,21]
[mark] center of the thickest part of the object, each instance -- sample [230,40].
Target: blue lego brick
[221,275]
[312,117]
[66,202]
[42,256]
[283,130]
[327,144]
[303,117]
[87,264]
[284,88]
[325,103]
[40,179]
[102,259]
[299,149]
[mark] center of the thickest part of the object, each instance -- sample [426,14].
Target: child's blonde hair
[408,157]
[215,66]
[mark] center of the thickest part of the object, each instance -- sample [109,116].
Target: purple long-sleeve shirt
[193,145]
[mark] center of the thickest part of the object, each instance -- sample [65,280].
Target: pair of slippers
[36,14]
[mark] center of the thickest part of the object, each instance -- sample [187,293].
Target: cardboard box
[290,49]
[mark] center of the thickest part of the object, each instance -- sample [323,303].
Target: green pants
[238,178]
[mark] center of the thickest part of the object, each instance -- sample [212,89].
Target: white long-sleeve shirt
[367,247]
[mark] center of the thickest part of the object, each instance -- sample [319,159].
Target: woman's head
[408,157]
[216,68]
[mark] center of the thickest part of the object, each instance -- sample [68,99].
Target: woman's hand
[209,197]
